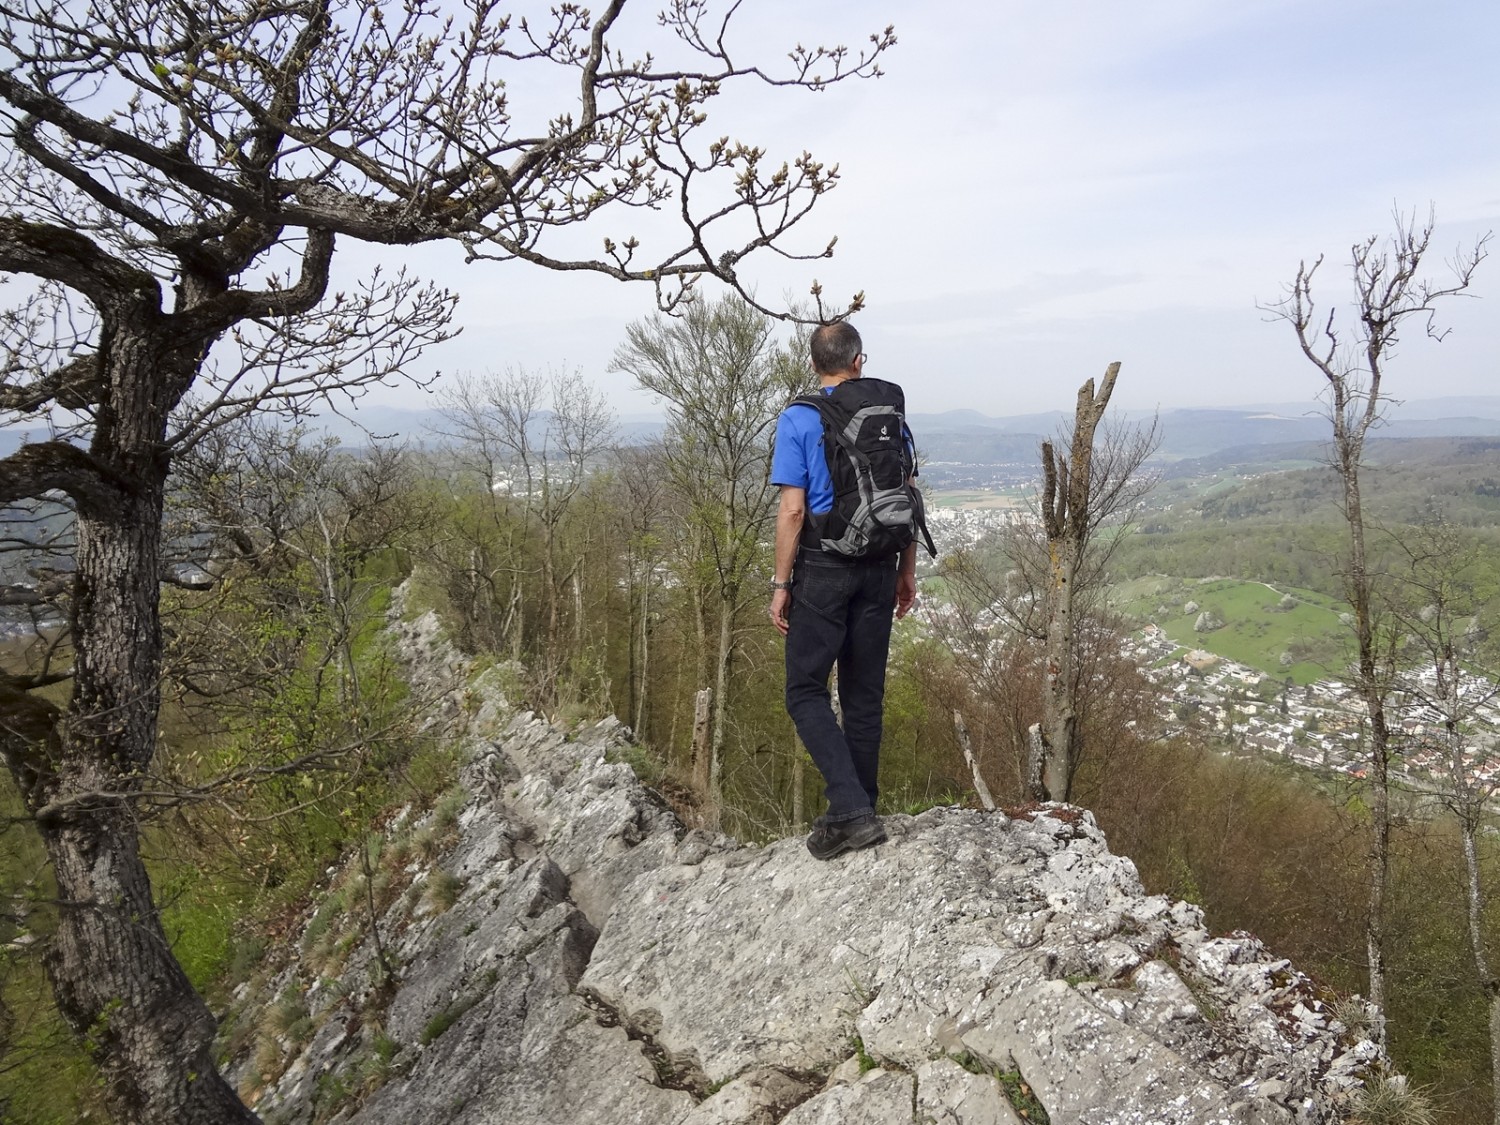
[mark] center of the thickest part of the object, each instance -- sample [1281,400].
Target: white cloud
[1034,190]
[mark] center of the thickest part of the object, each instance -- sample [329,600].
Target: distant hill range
[389,423]
[975,438]
[970,437]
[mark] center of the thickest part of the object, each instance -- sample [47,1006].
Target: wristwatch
[775,585]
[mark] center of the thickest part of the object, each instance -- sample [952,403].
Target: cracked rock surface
[603,964]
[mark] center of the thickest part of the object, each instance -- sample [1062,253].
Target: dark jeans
[841,613]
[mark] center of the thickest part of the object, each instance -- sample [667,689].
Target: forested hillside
[1409,480]
[598,579]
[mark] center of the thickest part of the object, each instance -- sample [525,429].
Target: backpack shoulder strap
[920,504]
[836,417]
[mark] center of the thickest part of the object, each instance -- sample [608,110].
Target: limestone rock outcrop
[603,964]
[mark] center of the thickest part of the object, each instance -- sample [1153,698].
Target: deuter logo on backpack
[877,511]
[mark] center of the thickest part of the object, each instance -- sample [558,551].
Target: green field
[977,498]
[1259,623]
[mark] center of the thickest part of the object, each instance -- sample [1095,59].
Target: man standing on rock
[846,558]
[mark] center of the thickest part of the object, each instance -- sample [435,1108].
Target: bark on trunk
[701,667]
[702,701]
[1059,713]
[1475,904]
[1036,763]
[722,664]
[985,800]
[515,624]
[549,584]
[1373,693]
[1379,871]
[1067,518]
[118,985]
[632,652]
[112,971]
[578,611]
[645,663]
[1469,815]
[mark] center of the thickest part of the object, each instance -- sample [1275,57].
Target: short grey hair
[835,347]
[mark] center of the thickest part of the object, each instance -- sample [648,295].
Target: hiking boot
[830,839]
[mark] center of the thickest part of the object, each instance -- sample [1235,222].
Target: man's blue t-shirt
[798,458]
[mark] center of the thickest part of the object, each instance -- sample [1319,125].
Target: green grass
[200,927]
[976,497]
[1257,630]
[447,1018]
[45,1076]
[1219,487]
[1015,1087]
[867,1062]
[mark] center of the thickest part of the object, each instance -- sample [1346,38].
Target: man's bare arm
[790,515]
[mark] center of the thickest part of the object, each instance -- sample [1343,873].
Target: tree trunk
[1373,693]
[985,800]
[1469,813]
[1059,712]
[1475,896]
[1036,763]
[112,971]
[515,622]
[578,611]
[724,660]
[702,706]
[632,683]
[645,662]
[1380,843]
[1067,517]
[549,585]
[117,983]
[701,665]
[702,702]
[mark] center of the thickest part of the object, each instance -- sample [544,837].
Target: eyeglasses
[864,358]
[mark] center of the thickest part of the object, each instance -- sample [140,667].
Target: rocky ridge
[597,962]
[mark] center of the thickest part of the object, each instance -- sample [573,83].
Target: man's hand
[781,601]
[906,592]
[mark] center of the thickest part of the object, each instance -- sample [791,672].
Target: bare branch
[34,470]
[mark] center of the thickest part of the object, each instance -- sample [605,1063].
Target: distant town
[1317,725]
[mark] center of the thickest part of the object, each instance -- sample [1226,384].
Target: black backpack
[876,511]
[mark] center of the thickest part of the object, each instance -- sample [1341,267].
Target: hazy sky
[1033,190]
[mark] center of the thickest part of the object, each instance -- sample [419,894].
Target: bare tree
[1003,673]
[1066,488]
[641,484]
[295,522]
[529,442]
[725,380]
[177,176]
[1350,354]
[1055,567]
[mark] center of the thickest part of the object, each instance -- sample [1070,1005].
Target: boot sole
[865,838]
